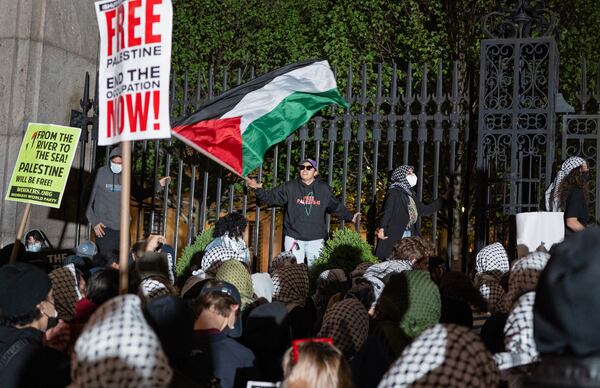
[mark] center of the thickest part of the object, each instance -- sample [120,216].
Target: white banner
[135,63]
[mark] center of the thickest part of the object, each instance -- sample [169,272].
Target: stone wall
[46,47]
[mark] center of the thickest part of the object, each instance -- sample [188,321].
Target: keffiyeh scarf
[151,288]
[399,180]
[213,258]
[518,335]
[65,289]
[552,200]
[290,285]
[490,265]
[378,272]
[281,260]
[117,348]
[524,276]
[347,323]
[443,356]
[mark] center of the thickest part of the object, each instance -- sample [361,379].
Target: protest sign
[134,69]
[43,165]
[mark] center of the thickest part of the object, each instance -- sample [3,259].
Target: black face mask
[585,175]
[52,322]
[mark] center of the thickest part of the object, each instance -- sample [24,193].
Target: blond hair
[319,365]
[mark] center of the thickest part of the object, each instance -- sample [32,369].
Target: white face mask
[116,168]
[412,180]
[35,247]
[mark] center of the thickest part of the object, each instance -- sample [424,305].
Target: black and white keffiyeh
[65,289]
[347,323]
[490,264]
[443,356]
[376,273]
[524,276]
[399,180]
[152,288]
[552,200]
[117,348]
[281,260]
[213,258]
[518,335]
[290,285]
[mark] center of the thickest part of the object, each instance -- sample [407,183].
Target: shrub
[345,249]
[202,240]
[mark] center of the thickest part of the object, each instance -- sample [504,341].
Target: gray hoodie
[105,199]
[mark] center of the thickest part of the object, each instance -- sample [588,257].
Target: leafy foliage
[345,249]
[202,240]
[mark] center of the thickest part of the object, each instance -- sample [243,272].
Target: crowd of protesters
[406,321]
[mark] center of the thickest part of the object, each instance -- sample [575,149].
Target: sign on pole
[43,165]
[134,69]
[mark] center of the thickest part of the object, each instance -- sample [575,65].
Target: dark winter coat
[395,218]
[26,362]
[305,207]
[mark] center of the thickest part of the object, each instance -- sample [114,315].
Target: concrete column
[46,47]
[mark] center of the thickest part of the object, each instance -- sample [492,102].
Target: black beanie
[567,306]
[22,287]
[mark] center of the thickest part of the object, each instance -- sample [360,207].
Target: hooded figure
[104,207]
[490,265]
[444,356]
[552,199]
[117,348]
[401,211]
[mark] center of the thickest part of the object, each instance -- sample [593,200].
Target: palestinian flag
[239,126]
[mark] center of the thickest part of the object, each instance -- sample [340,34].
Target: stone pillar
[46,47]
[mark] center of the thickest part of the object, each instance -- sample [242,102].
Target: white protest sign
[135,63]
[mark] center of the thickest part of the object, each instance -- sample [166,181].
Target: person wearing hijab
[234,272]
[66,291]
[569,194]
[409,304]
[491,264]
[118,348]
[347,323]
[401,211]
[290,287]
[443,356]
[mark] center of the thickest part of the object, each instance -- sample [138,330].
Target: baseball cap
[22,287]
[227,289]
[87,249]
[310,161]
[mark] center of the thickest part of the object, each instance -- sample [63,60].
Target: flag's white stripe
[314,78]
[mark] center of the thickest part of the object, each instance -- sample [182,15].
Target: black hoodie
[305,207]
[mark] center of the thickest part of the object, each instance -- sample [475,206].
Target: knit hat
[567,306]
[234,272]
[443,356]
[412,299]
[117,348]
[22,287]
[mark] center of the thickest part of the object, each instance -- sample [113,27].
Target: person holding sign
[104,207]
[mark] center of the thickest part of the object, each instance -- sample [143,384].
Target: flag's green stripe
[293,112]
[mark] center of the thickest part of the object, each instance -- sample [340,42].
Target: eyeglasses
[308,168]
[296,344]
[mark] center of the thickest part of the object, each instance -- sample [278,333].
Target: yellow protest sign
[43,165]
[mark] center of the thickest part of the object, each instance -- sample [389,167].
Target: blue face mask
[35,247]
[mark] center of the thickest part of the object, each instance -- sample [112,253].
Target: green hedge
[202,240]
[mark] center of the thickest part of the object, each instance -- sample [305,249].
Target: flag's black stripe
[223,103]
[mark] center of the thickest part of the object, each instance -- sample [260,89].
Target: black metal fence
[413,115]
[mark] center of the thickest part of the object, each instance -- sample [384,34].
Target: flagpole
[125,218]
[20,231]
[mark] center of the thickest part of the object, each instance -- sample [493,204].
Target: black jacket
[305,207]
[26,362]
[395,218]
